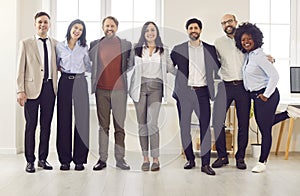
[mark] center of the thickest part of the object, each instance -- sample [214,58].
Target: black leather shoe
[240,164]
[220,162]
[189,165]
[45,165]
[99,165]
[79,167]
[155,167]
[30,168]
[122,165]
[65,166]
[208,170]
[145,166]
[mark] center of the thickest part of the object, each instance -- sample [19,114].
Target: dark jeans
[44,103]
[227,93]
[265,115]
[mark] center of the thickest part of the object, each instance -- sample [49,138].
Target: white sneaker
[260,167]
[293,112]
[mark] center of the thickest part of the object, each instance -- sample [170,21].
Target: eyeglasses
[230,21]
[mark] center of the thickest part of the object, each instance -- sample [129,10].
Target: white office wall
[18,16]
[8,14]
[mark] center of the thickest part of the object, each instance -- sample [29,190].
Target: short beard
[232,31]
[194,38]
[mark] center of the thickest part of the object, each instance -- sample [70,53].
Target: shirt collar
[257,50]
[66,43]
[190,45]
[38,37]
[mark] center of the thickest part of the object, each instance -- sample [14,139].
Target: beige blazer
[31,69]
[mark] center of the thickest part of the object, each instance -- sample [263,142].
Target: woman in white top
[148,86]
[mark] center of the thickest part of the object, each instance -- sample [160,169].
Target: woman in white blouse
[148,86]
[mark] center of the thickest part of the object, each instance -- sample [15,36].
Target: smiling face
[194,31]
[247,42]
[76,31]
[109,28]
[42,25]
[151,34]
[229,24]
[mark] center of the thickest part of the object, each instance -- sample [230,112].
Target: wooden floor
[281,178]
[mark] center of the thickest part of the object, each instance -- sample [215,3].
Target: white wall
[18,16]
[7,82]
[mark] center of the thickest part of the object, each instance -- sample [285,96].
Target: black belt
[72,76]
[197,87]
[47,80]
[234,82]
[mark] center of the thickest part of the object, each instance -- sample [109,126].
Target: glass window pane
[67,10]
[125,30]
[142,12]
[280,12]
[122,10]
[266,32]
[280,41]
[61,30]
[93,31]
[283,68]
[260,11]
[90,10]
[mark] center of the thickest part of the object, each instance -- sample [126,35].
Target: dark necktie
[46,69]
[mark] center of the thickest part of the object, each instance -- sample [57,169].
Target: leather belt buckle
[71,77]
[235,82]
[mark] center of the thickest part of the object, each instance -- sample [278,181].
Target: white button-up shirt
[197,76]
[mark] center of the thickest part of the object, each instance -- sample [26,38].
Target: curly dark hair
[250,29]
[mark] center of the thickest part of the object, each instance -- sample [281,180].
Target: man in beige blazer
[36,88]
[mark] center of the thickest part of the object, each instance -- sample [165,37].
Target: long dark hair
[142,41]
[82,38]
[250,29]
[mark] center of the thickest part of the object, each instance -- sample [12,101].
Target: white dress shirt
[197,76]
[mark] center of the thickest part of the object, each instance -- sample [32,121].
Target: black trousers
[72,88]
[265,117]
[44,103]
[227,93]
[198,101]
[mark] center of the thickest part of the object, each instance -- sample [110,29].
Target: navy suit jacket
[180,57]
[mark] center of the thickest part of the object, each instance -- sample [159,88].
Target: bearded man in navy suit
[197,65]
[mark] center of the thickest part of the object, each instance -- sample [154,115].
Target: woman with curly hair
[260,79]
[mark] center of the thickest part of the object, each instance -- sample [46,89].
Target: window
[273,17]
[131,14]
